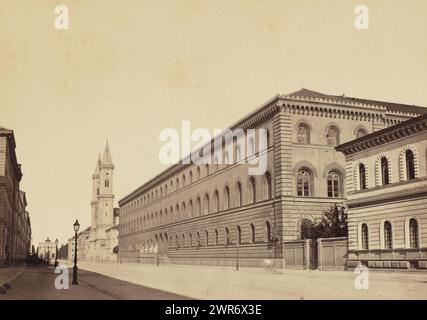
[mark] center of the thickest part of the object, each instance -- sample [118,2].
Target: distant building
[218,213]
[96,243]
[387,196]
[15,225]
[47,250]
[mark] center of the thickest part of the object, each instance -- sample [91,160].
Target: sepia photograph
[213,155]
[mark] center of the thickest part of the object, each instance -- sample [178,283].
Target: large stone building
[218,213]
[387,196]
[15,225]
[97,242]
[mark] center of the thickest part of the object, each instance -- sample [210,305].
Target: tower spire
[106,157]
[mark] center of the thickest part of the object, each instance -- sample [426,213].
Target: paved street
[142,281]
[38,283]
[204,282]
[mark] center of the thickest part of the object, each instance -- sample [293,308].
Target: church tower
[102,217]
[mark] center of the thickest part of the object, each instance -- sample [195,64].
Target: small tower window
[107,183]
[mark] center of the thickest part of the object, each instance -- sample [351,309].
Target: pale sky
[126,69]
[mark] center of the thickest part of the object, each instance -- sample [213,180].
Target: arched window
[226,158]
[384,171]
[191,176]
[239,199]
[252,190]
[413,233]
[227,236]
[360,133]
[410,165]
[183,211]
[267,185]
[333,136]
[303,134]
[239,235]
[252,233]
[388,237]
[362,176]
[206,204]
[334,184]
[251,147]
[303,183]
[238,153]
[198,173]
[267,231]
[226,198]
[177,183]
[183,240]
[215,202]
[198,207]
[207,237]
[216,237]
[177,213]
[190,239]
[198,240]
[365,237]
[207,169]
[190,209]
[107,183]
[183,180]
[177,241]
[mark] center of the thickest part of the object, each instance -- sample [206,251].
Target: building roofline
[271,106]
[405,128]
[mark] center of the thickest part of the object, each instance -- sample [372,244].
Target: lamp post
[56,253]
[76,226]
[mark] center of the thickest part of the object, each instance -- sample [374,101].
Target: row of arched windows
[332,136]
[407,165]
[203,205]
[200,172]
[205,238]
[386,236]
[305,183]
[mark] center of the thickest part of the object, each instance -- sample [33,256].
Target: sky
[127,69]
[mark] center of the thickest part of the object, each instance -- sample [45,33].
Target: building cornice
[396,132]
[331,108]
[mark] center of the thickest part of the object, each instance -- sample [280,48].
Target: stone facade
[219,214]
[15,225]
[387,196]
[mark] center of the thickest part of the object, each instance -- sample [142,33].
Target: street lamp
[56,253]
[76,226]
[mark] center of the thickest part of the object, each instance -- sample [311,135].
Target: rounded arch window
[361,132]
[334,184]
[388,237]
[333,136]
[303,133]
[304,188]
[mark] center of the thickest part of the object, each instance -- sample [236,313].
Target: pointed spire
[106,158]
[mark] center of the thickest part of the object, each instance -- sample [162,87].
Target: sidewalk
[8,274]
[208,282]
